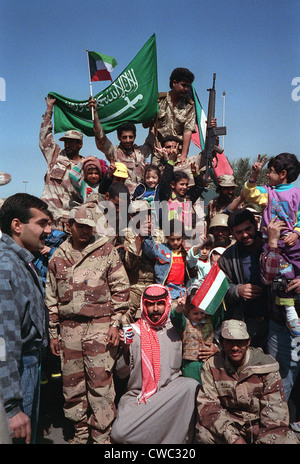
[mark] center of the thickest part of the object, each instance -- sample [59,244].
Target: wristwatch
[115,324]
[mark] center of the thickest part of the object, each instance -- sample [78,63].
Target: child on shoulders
[281,199]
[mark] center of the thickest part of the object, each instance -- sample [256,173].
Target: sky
[251,45]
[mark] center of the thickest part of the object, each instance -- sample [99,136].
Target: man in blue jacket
[24,222]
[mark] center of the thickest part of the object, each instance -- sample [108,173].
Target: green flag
[131,97]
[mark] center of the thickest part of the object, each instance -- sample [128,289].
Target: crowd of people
[98,280]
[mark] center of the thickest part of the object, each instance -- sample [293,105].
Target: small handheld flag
[101,66]
[211,293]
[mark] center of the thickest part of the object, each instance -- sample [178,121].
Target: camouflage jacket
[140,269]
[173,120]
[104,216]
[252,397]
[92,283]
[135,162]
[215,207]
[58,191]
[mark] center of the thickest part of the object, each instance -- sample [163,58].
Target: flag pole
[224,93]
[91,89]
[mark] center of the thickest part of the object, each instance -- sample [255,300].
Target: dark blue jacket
[22,318]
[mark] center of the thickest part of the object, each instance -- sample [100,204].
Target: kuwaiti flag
[101,66]
[198,137]
[211,293]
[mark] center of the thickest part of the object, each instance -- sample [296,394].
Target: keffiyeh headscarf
[150,349]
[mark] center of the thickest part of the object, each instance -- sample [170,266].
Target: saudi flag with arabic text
[133,96]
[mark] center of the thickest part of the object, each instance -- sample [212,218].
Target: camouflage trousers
[87,377]
[204,436]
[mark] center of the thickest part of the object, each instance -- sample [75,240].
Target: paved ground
[60,430]
[55,437]
[51,415]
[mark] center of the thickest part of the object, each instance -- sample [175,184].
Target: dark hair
[181,74]
[239,216]
[191,292]
[169,138]
[71,221]
[152,167]
[116,188]
[209,241]
[18,207]
[126,126]
[287,162]
[178,175]
[50,215]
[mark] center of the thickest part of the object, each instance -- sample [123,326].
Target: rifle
[212,133]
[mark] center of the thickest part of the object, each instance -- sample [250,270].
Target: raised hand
[257,167]
[50,102]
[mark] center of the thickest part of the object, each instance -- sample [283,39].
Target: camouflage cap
[72,134]
[226,180]
[220,219]
[82,215]
[234,329]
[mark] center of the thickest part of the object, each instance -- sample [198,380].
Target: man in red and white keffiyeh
[159,406]
[155,307]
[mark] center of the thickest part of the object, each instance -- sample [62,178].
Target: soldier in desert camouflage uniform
[242,399]
[126,152]
[226,195]
[176,114]
[87,292]
[58,192]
